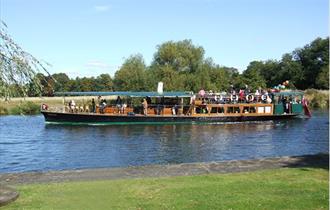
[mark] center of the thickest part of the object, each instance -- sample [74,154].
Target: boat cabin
[188,104]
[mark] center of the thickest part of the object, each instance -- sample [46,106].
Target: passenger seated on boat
[268,100]
[86,108]
[204,106]
[103,104]
[160,105]
[72,106]
[246,110]
[80,108]
[67,108]
[123,107]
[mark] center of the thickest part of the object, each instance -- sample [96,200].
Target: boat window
[261,109]
[217,110]
[268,109]
[233,109]
[249,109]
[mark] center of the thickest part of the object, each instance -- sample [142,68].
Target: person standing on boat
[93,106]
[145,107]
[247,90]
[241,95]
[192,105]
[119,104]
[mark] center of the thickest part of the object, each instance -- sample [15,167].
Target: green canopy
[129,94]
[289,93]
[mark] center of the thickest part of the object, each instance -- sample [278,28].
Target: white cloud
[97,64]
[101,8]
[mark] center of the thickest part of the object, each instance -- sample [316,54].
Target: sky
[87,38]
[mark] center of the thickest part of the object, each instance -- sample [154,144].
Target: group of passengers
[120,105]
[74,108]
[244,95]
[159,106]
[287,102]
[92,106]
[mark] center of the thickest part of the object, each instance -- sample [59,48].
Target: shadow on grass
[311,161]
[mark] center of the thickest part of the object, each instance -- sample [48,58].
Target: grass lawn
[287,188]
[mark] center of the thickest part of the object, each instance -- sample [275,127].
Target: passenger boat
[177,107]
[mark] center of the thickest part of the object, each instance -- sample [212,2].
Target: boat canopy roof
[129,94]
[289,93]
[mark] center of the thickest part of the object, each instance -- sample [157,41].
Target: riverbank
[31,105]
[319,99]
[184,169]
[273,183]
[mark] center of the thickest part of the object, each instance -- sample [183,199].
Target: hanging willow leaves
[18,68]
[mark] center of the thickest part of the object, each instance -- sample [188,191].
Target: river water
[28,144]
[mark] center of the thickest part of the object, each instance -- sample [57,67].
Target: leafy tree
[85,84]
[252,75]
[180,56]
[103,83]
[132,75]
[322,80]
[62,82]
[18,68]
[172,80]
[289,70]
[313,58]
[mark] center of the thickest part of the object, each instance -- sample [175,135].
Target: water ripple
[34,146]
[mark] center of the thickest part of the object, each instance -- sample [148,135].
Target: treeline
[182,66]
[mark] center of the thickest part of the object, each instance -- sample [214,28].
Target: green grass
[25,108]
[304,188]
[31,105]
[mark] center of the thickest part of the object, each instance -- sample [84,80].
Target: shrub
[317,98]
[27,107]
[3,110]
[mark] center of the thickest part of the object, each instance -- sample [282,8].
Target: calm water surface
[28,144]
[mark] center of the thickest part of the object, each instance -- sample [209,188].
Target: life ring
[44,107]
[249,98]
[264,97]
[233,97]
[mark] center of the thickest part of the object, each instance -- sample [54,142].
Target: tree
[132,75]
[62,82]
[46,83]
[322,80]
[289,70]
[17,67]
[252,75]
[172,80]
[180,56]
[313,58]
[104,83]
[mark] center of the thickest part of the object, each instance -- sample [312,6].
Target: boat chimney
[160,87]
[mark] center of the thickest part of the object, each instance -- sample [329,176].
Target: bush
[317,98]
[3,110]
[27,107]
